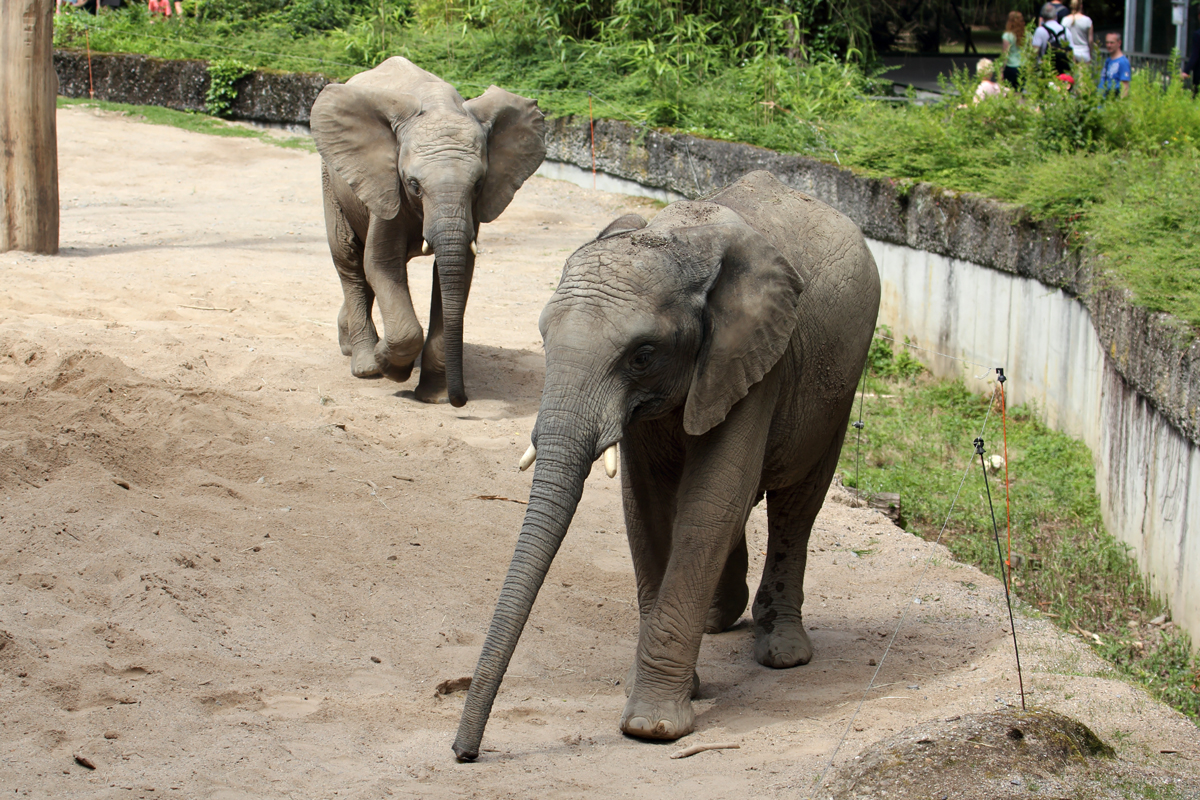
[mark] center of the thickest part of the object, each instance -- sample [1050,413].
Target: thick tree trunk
[28,140]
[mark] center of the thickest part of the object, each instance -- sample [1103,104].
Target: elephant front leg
[651,459]
[385,264]
[718,485]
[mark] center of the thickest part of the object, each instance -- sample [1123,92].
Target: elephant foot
[727,607]
[362,361]
[661,720]
[396,361]
[432,387]
[782,645]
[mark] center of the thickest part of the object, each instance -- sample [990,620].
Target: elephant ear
[516,146]
[750,314]
[355,128]
[624,224]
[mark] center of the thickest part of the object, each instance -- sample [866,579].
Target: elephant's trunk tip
[465,754]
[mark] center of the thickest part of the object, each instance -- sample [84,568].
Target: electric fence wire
[904,615]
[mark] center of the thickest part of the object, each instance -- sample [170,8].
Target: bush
[223,73]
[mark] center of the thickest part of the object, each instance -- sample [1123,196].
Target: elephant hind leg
[780,640]
[732,593]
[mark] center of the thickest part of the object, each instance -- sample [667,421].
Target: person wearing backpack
[1052,38]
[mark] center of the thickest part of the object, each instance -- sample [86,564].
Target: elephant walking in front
[409,168]
[719,349]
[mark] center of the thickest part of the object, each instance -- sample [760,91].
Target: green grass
[200,123]
[917,441]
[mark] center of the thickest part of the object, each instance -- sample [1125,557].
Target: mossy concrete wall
[962,275]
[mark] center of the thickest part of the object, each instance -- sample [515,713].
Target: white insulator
[610,461]
[528,458]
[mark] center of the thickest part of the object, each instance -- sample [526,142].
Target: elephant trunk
[563,464]
[452,235]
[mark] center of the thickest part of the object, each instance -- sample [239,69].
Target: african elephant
[410,168]
[719,348]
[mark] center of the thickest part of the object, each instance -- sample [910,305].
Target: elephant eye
[414,186]
[641,358]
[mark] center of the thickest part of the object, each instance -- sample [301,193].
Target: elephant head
[675,320]
[407,143]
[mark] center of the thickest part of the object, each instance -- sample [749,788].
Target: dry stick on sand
[209,308]
[700,748]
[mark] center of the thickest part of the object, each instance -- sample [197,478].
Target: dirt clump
[1002,754]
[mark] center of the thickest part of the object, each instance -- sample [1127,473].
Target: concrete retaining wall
[962,275]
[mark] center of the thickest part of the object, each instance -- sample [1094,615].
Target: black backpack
[1059,48]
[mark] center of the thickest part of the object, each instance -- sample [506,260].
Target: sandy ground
[231,570]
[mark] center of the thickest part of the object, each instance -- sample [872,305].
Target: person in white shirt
[1081,32]
[988,87]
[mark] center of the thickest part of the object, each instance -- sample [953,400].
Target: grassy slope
[917,441]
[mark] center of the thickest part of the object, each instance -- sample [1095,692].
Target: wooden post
[28,137]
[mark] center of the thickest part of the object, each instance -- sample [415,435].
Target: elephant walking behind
[719,349]
[409,168]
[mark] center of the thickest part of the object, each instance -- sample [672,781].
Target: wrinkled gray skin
[720,346]
[406,159]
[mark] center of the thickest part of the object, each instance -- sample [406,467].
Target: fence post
[29,155]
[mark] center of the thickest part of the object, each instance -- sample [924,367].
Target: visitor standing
[1052,38]
[1079,28]
[1117,72]
[1060,11]
[1010,47]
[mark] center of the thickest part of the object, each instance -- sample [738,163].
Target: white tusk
[528,458]
[474,249]
[425,248]
[610,460]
